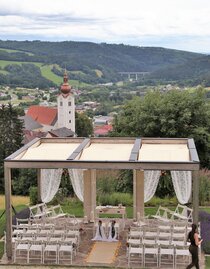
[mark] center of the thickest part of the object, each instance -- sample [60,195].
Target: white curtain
[151,179]
[50,182]
[182,181]
[76,176]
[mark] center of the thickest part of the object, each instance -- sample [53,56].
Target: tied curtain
[50,182]
[76,176]
[151,179]
[182,182]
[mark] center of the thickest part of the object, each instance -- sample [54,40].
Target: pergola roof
[107,153]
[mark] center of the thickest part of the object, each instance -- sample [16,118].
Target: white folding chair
[50,252]
[65,251]
[151,254]
[133,251]
[166,255]
[21,248]
[182,255]
[36,247]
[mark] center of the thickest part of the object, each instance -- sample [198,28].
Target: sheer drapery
[50,182]
[151,179]
[182,182]
[76,176]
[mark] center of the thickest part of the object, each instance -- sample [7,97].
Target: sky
[177,24]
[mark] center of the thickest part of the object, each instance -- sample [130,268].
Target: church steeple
[66,105]
[65,87]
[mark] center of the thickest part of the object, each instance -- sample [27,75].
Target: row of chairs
[181,213]
[53,252]
[42,211]
[159,232]
[158,255]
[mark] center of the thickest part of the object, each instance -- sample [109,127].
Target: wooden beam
[39,184]
[7,179]
[135,150]
[79,149]
[24,148]
[103,165]
[195,200]
[50,140]
[138,193]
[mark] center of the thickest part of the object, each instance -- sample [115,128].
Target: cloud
[158,23]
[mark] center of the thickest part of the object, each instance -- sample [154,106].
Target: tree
[84,127]
[172,114]
[11,136]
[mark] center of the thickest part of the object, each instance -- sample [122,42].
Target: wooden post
[39,185]
[138,193]
[7,178]
[195,183]
[89,194]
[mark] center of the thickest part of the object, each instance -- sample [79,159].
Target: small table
[120,210]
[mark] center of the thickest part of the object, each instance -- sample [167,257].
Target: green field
[5,63]
[11,51]
[4,72]
[46,71]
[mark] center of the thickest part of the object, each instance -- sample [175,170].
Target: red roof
[103,130]
[43,115]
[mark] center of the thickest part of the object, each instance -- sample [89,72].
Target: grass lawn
[207,258]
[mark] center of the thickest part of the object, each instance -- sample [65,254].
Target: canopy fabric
[164,152]
[50,151]
[107,152]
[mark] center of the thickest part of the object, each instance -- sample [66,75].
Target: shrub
[115,198]
[167,201]
[33,194]
[204,219]
[204,190]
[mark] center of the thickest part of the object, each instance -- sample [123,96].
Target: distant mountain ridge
[99,63]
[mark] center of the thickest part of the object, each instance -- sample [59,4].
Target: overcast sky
[178,24]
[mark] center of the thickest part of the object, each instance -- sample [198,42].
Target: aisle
[103,253]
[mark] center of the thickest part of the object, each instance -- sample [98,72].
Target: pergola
[91,154]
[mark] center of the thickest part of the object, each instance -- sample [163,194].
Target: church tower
[66,106]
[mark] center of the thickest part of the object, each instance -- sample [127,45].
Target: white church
[52,122]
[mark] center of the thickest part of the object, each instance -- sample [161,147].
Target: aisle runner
[103,252]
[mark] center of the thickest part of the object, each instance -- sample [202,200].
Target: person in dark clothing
[194,243]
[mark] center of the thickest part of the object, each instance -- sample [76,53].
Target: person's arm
[197,241]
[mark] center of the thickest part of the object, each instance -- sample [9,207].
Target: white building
[66,106]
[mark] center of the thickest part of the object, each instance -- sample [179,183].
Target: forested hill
[86,62]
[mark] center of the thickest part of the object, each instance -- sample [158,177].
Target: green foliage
[124,183]
[165,186]
[115,198]
[83,125]
[172,114]
[33,194]
[1,248]
[11,136]
[204,187]
[166,201]
[23,180]
[106,184]
[82,59]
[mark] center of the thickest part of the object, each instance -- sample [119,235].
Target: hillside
[41,64]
